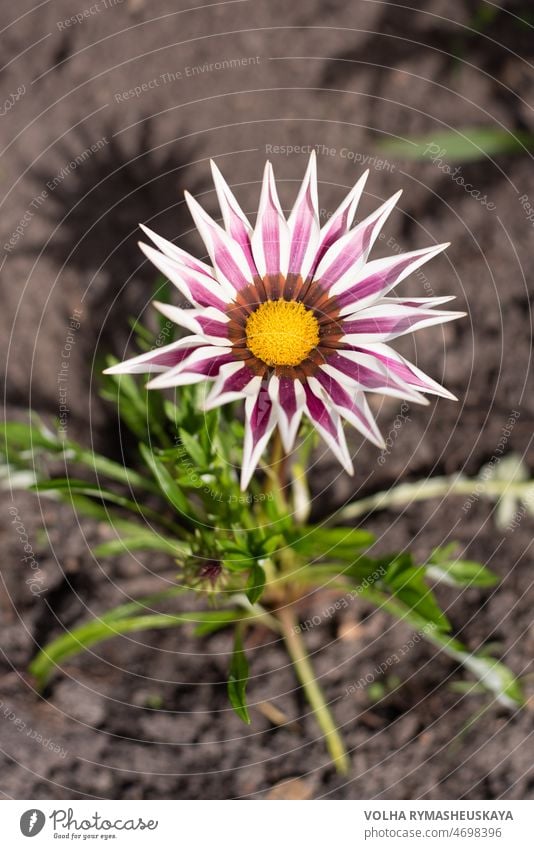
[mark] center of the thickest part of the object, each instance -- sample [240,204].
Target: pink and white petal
[177,254]
[210,323]
[229,261]
[351,405]
[198,288]
[346,256]
[327,421]
[202,364]
[382,323]
[365,373]
[260,421]
[406,371]
[270,240]
[425,303]
[235,381]
[289,398]
[235,221]
[159,359]
[379,276]
[303,224]
[341,220]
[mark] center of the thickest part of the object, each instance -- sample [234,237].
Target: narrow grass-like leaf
[461,573]
[467,144]
[193,448]
[124,619]
[342,543]
[255,584]
[166,482]
[238,678]
[494,675]
[143,541]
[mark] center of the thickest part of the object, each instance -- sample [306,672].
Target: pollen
[282,333]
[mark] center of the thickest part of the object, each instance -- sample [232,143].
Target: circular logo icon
[32,822]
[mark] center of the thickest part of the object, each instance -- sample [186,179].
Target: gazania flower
[292,317]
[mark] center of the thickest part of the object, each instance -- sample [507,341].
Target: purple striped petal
[177,254]
[260,421]
[341,220]
[328,423]
[202,364]
[235,381]
[366,373]
[210,323]
[405,371]
[236,222]
[352,406]
[159,359]
[198,288]
[231,266]
[270,240]
[304,224]
[380,276]
[428,303]
[382,323]
[288,397]
[348,253]
[214,327]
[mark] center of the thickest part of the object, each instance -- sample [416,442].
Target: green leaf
[494,675]
[467,144]
[221,619]
[316,541]
[71,489]
[109,468]
[193,448]
[407,583]
[81,487]
[165,481]
[461,573]
[255,584]
[143,541]
[123,619]
[25,437]
[238,678]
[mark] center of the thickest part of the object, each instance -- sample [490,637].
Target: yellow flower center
[282,333]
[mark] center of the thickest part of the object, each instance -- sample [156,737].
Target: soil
[147,716]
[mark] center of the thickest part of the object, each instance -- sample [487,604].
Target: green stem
[407,493]
[301,661]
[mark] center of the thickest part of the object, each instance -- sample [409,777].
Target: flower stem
[301,661]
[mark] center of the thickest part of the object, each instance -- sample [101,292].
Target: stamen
[282,333]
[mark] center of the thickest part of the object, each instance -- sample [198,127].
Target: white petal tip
[158,383]
[215,170]
[190,200]
[246,477]
[147,249]
[421,400]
